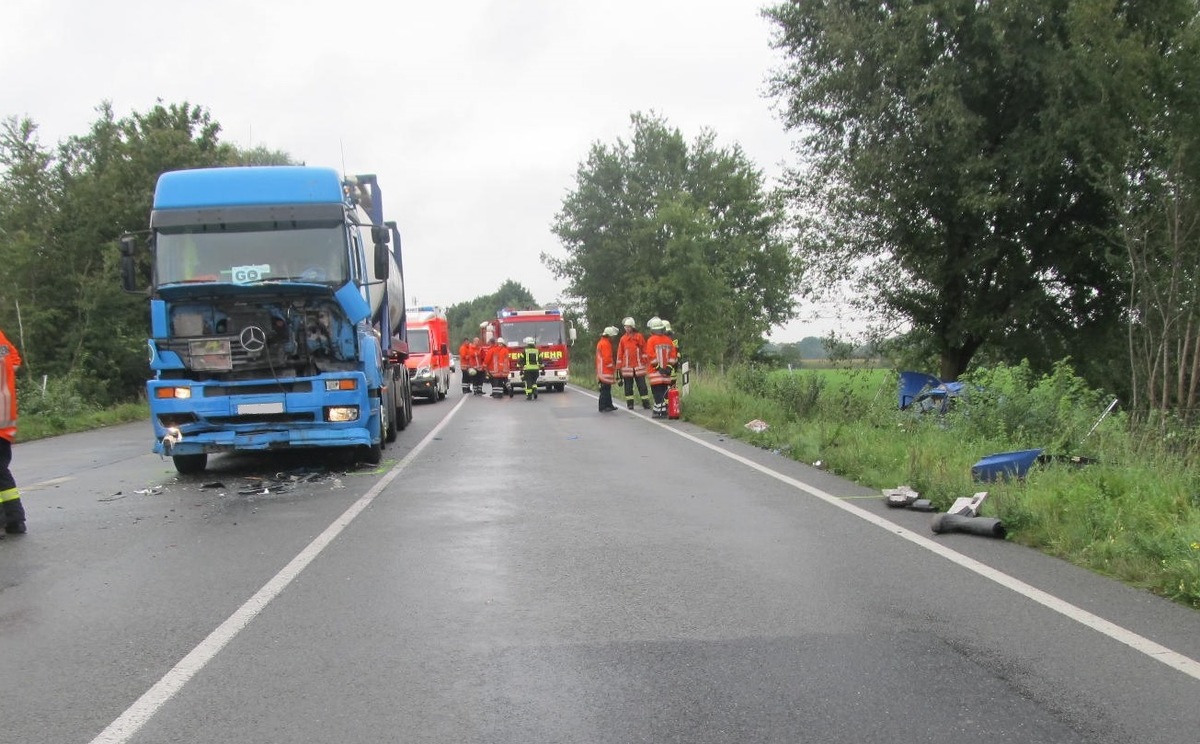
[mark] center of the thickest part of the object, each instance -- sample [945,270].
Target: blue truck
[276,313]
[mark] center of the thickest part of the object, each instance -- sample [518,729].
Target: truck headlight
[341,414]
[424,372]
[348,383]
[179,393]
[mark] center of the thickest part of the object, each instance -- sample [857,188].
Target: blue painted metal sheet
[1005,465]
[247,186]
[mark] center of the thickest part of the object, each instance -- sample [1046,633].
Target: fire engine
[554,339]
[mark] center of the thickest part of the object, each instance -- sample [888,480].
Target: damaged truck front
[272,291]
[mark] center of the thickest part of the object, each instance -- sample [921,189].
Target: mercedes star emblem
[253,339]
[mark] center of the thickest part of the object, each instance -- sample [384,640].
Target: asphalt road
[523,572]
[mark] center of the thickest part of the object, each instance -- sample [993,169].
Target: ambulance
[428,352]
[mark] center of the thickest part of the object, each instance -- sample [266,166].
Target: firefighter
[468,363]
[497,367]
[10,498]
[631,361]
[479,373]
[465,366]
[531,367]
[661,356]
[678,357]
[606,368]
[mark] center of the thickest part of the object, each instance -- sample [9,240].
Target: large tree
[954,156]
[61,213]
[658,226]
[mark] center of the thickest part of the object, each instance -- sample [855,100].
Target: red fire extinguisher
[673,403]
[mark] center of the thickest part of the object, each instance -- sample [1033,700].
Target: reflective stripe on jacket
[605,364]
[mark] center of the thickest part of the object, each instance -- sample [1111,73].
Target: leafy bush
[61,400]
[798,394]
[1012,405]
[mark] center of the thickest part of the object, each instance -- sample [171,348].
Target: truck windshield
[255,252]
[545,331]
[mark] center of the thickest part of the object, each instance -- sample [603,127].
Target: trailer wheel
[559,387]
[387,409]
[187,464]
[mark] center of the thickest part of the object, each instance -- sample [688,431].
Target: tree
[29,198]
[953,161]
[655,226]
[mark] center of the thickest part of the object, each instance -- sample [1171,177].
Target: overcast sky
[474,114]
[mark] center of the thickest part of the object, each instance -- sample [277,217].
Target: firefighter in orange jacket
[467,364]
[606,368]
[10,498]
[631,362]
[478,352]
[498,365]
[662,356]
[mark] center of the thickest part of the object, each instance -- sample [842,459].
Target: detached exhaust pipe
[983,526]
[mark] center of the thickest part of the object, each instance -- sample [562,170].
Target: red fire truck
[554,339]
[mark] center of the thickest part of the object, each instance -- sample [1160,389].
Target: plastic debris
[757,426]
[900,496]
[968,506]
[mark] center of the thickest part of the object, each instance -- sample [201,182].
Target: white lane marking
[136,716]
[1155,651]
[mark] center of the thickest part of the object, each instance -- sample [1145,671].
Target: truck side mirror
[128,270]
[571,334]
[380,235]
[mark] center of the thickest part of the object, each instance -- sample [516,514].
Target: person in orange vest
[466,365]
[477,351]
[662,356]
[606,368]
[10,497]
[498,366]
[631,362]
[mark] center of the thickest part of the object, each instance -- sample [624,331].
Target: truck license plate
[244,409]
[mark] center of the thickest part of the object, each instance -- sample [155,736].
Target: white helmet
[667,326]
[656,324]
[610,331]
[529,341]
[500,340]
[628,323]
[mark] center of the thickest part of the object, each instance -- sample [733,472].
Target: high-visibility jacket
[631,354]
[662,356]
[531,358]
[468,356]
[606,366]
[9,361]
[497,361]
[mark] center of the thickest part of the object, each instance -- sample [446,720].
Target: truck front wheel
[187,464]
